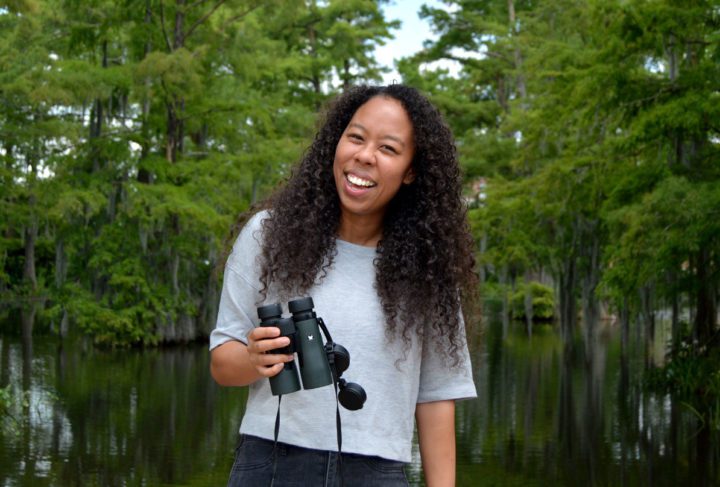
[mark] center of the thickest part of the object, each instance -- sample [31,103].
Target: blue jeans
[296,466]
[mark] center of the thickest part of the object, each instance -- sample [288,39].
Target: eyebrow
[391,137]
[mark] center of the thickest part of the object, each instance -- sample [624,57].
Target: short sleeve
[237,313]
[439,379]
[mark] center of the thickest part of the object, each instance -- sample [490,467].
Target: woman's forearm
[230,365]
[436,436]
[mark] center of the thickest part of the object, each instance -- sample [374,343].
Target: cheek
[338,157]
[343,150]
[337,167]
[337,172]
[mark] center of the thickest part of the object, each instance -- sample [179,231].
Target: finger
[263,332]
[269,359]
[271,371]
[262,346]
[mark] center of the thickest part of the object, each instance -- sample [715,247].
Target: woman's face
[373,159]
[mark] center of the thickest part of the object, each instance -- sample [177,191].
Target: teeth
[359,181]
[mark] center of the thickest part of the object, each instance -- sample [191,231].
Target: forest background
[133,133]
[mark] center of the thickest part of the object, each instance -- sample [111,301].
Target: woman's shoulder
[248,243]
[254,223]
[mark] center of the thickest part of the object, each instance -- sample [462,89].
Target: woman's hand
[235,364]
[264,339]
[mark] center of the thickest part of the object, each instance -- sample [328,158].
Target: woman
[372,226]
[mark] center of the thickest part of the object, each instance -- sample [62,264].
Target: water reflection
[547,415]
[577,415]
[82,416]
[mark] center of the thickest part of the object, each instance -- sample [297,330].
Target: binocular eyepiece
[320,364]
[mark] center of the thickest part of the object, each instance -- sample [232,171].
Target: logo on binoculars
[310,337]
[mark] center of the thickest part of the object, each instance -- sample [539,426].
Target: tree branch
[195,4]
[162,25]
[241,15]
[463,60]
[203,18]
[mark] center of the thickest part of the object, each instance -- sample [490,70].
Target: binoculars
[320,364]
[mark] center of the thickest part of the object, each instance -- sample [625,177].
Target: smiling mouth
[359,182]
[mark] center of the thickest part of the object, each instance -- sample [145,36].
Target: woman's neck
[360,231]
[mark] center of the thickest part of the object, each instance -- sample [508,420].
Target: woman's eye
[355,137]
[389,148]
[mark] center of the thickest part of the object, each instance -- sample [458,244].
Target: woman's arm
[436,435]
[235,364]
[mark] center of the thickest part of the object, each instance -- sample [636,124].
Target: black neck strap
[338,422]
[277,432]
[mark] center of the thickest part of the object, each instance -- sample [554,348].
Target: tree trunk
[96,116]
[647,313]
[60,262]
[143,175]
[503,279]
[589,284]
[347,77]
[212,296]
[528,302]
[675,307]
[591,280]
[625,329]
[173,130]
[29,240]
[673,64]
[175,257]
[568,303]
[30,231]
[315,77]
[175,105]
[178,33]
[96,120]
[481,267]
[706,312]
[517,55]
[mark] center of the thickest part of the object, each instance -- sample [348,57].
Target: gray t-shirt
[394,378]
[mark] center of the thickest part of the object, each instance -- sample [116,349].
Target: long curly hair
[424,264]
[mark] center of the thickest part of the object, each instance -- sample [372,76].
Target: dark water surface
[79,416]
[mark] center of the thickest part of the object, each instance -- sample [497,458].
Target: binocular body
[320,364]
[303,331]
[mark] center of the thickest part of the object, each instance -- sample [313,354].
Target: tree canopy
[133,134]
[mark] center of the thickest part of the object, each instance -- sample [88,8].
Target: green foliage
[5,400]
[132,138]
[11,403]
[543,301]
[133,134]
[692,375]
[591,123]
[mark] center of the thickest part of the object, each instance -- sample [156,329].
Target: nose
[365,154]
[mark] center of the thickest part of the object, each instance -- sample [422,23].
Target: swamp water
[79,416]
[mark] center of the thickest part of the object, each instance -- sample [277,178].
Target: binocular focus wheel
[352,396]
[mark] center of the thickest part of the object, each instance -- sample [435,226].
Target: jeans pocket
[252,453]
[382,465]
